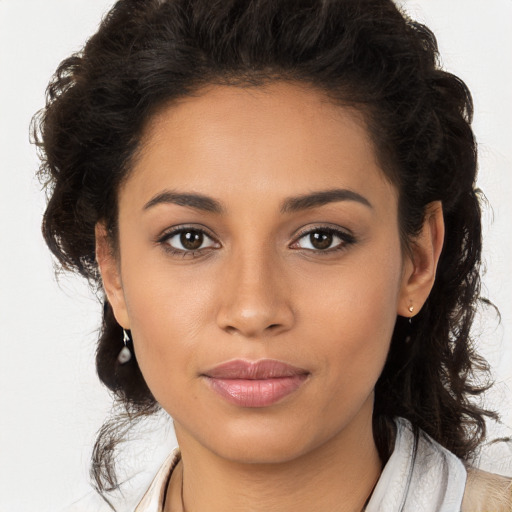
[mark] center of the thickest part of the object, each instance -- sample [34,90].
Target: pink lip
[255,384]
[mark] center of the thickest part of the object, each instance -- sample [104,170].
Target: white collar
[420,476]
[153,500]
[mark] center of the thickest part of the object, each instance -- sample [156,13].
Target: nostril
[231,329]
[254,317]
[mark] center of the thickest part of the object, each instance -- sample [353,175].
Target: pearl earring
[125,355]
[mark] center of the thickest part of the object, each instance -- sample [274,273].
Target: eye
[324,239]
[188,240]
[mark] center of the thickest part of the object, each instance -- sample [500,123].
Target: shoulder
[144,492]
[486,492]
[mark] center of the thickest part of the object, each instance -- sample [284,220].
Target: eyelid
[171,232]
[344,234]
[333,228]
[179,228]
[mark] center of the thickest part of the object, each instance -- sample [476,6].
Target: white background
[50,401]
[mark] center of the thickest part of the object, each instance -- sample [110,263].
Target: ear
[110,274]
[420,264]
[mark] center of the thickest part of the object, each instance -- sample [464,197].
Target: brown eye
[324,240]
[191,240]
[321,240]
[188,240]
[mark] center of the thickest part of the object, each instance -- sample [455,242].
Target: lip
[255,383]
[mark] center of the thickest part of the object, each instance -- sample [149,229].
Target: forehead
[278,139]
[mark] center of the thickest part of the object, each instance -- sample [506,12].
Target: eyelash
[164,241]
[346,240]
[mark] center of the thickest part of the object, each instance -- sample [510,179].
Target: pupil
[191,240]
[321,240]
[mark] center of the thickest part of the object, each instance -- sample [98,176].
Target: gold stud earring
[408,337]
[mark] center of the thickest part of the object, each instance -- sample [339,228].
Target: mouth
[255,384]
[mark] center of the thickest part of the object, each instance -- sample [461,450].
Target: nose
[254,298]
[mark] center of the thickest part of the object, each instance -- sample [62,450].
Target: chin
[261,450]
[268,441]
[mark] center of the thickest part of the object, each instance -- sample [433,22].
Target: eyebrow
[292,204]
[197,201]
[321,198]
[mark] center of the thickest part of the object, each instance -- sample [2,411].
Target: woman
[278,201]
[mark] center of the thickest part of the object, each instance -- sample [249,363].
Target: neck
[335,477]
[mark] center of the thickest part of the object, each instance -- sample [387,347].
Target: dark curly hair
[364,53]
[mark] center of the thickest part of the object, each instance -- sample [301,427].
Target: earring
[125,355]
[408,337]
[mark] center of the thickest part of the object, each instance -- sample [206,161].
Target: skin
[258,288]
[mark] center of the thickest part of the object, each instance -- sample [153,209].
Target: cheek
[167,313]
[353,318]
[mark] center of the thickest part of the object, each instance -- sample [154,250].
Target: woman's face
[257,225]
